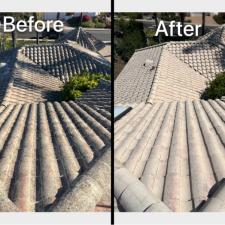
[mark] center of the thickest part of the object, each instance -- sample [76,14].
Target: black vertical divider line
[112,111]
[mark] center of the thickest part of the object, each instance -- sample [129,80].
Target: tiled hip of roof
[94,183]
[132,195]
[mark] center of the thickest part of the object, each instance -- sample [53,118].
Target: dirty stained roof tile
[64,60]
[58,138]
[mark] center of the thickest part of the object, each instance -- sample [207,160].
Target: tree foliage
[220,18]
[216,88]
[133,37]
[78,84]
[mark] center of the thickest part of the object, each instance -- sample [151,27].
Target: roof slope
[176,149]
[83,38]
[99,97]
[7,60]
[175,81]
[26,82]
[181,70]
[64,60]
[45,147]
[135,81]
[205,55]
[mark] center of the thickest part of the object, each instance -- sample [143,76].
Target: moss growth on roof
[78,84]
[216,88]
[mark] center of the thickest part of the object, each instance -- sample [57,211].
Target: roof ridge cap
[152,46]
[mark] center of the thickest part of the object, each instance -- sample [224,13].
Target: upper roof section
[216,36]
[84,38]
[65,60]
[135,81]
[183,68]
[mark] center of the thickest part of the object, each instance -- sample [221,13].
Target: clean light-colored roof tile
[175,81]
[176,149]
[134,83]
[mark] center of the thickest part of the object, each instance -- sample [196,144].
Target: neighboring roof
[135,81]
[84,38]
[88,41]
[47,149]
[181,70]
[176,149]
[64,60]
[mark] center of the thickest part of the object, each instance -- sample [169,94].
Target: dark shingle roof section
[176,149]
[134,83]
[64,60]
[45,147]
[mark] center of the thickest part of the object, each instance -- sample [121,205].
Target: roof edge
[87,192]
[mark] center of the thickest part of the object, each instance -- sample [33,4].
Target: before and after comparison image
[110,116]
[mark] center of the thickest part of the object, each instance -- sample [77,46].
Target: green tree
[216,88]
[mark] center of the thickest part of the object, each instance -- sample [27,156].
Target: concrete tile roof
[176,149]
[132,194]
[134,83]
[205,55]
[181,70]
[26,82]
[216,199]
[83,38]
[103,100]
[205,58]
[175,81]
[64,60]
[52,153]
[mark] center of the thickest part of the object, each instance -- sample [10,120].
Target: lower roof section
[176,149]
[45,147]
